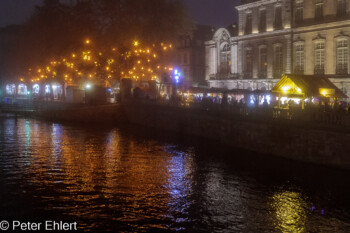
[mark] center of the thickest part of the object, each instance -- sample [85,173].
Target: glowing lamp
[285,89]
[88,86]
[177,76]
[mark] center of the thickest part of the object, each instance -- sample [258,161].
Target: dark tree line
[58,28]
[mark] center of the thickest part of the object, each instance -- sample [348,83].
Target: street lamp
[177,76]
[176,81]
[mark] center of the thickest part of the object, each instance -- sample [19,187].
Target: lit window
[319,57]
[299,59]
[36,89]
[278,61]
[47,89]
[10,89]
[342,56]
[22,89]
[262,62]
[225,59]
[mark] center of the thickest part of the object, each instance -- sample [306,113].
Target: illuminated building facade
[308,37]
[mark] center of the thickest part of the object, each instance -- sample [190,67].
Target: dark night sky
[218,13]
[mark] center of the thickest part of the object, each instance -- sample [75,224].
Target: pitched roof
[310,85]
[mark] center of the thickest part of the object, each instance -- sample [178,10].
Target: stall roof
[310,85]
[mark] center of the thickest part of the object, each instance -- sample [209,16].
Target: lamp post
[176,81]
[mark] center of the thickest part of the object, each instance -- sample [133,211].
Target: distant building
[7,36]
[191,54]
[282,36]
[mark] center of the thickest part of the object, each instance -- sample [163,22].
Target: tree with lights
[100,40]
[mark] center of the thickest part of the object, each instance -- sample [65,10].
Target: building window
[262,21]
[278,18]
[248,65]
[299,11]
[225,59]
[319,9]
[299,59]
[278,61]
[319,57]
[36,89]
[10,89]
[248,24]
[341,8]
[22,89]
[263,62]
[342,56]
[185,59]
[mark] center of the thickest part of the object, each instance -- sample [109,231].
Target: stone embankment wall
[328,145]
[304,141]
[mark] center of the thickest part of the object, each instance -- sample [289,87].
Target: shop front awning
[307,86]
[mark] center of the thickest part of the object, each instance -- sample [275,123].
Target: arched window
[342,56]
[225,58]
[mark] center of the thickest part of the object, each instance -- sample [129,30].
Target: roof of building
[309,85]
[247,1]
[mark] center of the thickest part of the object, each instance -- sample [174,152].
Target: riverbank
[298,140]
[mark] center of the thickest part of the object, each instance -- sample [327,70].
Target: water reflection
[108,179]
[290,210]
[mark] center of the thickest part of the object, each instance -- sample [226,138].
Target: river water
[124,179]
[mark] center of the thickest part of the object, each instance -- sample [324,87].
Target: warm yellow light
[285,89]
[73,55]
[298,90]
[165,48]
[136,43]
[39,70]
[87,41]
[138,62]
